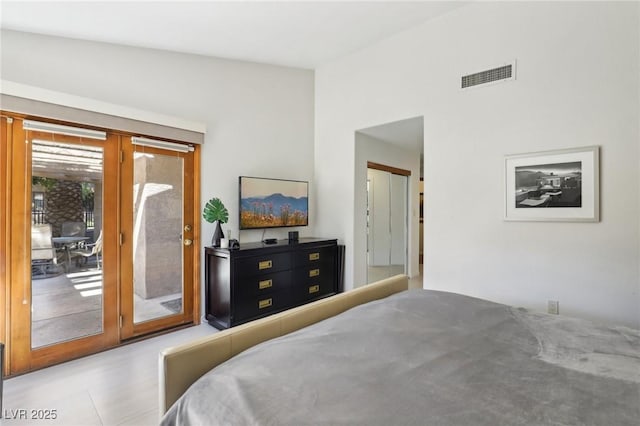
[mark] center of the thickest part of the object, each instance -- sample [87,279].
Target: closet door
[380,218]
[387,218]
[398,223]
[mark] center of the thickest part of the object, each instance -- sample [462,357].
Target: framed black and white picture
[561,185]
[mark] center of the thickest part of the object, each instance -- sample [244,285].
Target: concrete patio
[68,306]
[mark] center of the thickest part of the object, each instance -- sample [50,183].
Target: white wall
[259,118]
[577,85]
[368,148]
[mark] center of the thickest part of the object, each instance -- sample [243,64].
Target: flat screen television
[273,203]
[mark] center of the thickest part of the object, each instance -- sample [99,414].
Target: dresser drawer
[264,264]
[313,256]
[320,271]
[312,290]
[257,306]
[314,281]
[263,284]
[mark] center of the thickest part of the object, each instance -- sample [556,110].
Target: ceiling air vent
[498,74]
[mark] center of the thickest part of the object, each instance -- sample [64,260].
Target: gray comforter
[427,358]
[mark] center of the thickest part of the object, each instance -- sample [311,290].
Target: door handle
[188,242]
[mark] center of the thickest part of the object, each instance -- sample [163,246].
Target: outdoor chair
[43,255]
[92,249]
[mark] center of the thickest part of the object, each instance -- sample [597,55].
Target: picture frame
[556,186]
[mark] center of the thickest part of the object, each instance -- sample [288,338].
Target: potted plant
[215,212]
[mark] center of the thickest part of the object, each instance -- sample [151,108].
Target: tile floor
[115,387]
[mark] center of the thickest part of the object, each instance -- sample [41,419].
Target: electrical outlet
[553,307]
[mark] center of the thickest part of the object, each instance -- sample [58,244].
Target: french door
[97,243]
[158,231]
[60,308]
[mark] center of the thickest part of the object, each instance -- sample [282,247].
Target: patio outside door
[158,220]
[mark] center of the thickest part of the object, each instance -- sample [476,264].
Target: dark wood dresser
[257,279]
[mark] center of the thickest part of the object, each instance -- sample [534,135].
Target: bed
[381,355]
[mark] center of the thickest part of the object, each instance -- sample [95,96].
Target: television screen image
[273,203]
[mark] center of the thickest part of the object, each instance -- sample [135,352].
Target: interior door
[387,216]
[398,222]
[380,213]
[62,304]
[158,230]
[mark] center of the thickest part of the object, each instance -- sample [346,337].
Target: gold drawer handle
[314,272]
[314,256]
[265,284]
[314,289]
[265,303]
[265,264]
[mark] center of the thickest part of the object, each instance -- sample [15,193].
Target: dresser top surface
[280,245]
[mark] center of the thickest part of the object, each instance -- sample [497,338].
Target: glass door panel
[158,193]
[157,255]
[66,211]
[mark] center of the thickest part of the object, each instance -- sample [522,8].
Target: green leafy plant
[46,183]
[215,210]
